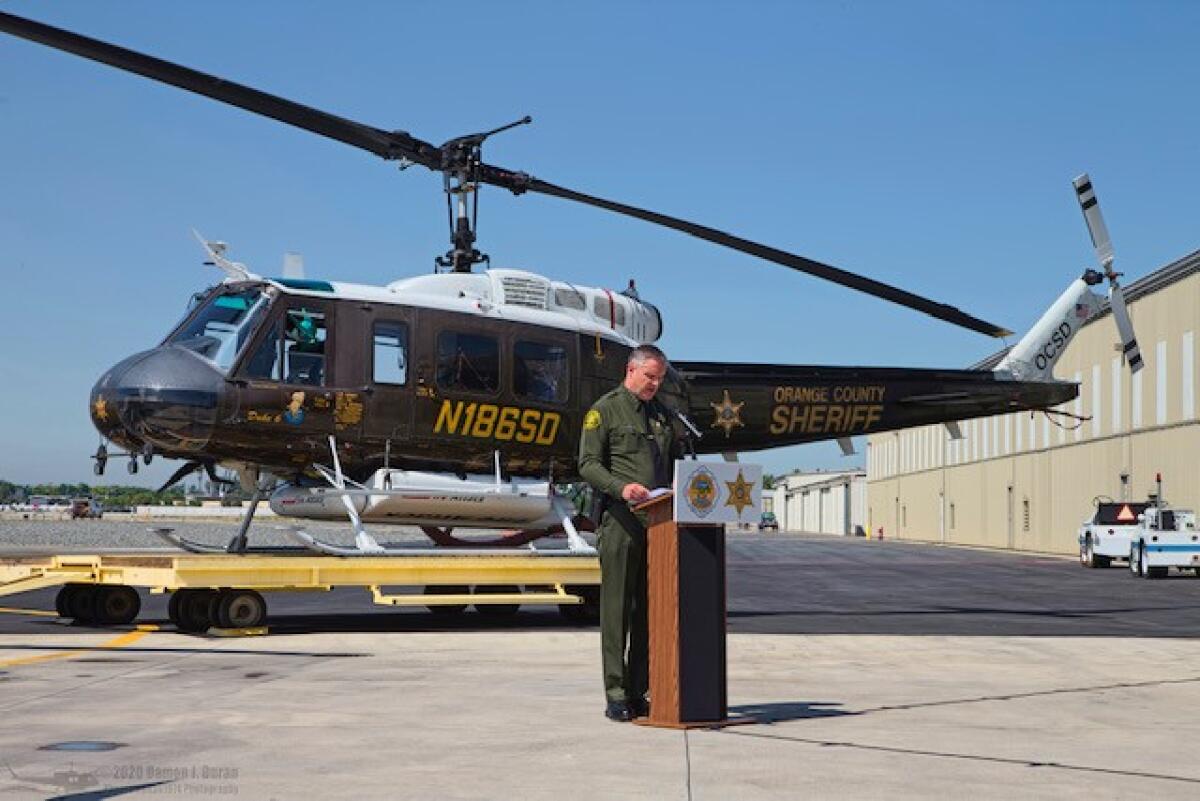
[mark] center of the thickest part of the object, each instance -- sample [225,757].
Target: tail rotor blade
[1095,220]
[520,182]
[1090,206]
[1129,344]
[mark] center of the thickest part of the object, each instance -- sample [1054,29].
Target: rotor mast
[461,158]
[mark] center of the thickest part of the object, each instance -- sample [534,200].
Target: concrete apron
[510,714]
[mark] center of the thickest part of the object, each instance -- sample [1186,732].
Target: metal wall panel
[982,489]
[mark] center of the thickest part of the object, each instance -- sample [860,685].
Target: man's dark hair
[646,352]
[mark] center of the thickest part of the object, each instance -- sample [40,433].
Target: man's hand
[634,493]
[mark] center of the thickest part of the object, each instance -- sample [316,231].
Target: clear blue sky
[928,144]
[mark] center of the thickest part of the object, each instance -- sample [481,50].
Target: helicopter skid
[309,542]
[191,546]
[444,537]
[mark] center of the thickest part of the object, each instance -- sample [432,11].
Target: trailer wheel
[82,603]
[239,609]
[214,608]
[173,607]
[193,610]
[117,605]
[62,601]
[447,610]
[586,613]
[497,610]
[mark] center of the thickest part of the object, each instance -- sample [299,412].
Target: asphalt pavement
[873,670]
[806,584]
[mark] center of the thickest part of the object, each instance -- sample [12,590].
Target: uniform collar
[633,400]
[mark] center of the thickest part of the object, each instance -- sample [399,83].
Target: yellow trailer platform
[225,590]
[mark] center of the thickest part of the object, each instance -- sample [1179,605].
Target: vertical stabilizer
[1034,357]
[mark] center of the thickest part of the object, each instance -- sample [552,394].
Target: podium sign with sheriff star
[717,492]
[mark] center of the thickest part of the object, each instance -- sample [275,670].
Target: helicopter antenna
[461,158]
[234,270]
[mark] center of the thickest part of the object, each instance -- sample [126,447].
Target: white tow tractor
[1164,538]
[1108,533]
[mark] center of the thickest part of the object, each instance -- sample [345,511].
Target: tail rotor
[1090,206]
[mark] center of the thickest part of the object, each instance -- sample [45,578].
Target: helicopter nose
[167,397]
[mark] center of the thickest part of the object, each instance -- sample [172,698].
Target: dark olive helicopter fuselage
[262,373]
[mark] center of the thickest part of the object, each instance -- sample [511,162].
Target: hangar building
[821,502]
[1026,481]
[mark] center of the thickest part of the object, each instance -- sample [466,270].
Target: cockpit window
[296,357]
[219,329]
[304,347]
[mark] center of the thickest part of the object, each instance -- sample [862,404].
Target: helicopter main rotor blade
[520,182]
[397,145]
[386,144]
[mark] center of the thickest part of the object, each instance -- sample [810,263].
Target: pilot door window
[468,362]
[541,372]
[298,355]
[390,353]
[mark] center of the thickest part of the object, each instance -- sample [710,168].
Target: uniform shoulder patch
[591,420]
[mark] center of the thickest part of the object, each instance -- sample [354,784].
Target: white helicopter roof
[506,294]
[501,292]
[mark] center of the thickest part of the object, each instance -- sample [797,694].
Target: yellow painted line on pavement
[12,610]
[127,638]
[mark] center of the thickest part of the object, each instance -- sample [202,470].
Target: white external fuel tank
[405,497]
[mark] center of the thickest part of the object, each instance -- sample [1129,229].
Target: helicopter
[63,780]
[456,398]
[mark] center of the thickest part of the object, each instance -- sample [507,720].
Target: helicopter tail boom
[746,407]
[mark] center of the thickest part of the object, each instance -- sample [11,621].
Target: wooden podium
[686,584]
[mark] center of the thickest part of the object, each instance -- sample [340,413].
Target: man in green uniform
[627,448]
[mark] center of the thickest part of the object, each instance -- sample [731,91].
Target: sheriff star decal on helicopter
[100,409]
[727,414]
[741,493]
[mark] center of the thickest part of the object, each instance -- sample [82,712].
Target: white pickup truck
[1108,533]
[1164,538]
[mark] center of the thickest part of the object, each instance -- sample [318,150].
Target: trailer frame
[222,591]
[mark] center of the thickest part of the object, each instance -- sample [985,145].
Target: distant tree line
[109,496]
